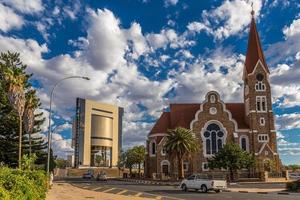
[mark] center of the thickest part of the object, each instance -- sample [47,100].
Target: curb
[148,182]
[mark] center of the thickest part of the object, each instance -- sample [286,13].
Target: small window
[205,166]
[153,148]
[266,153]
[262,121]
[212,99]
[185,166]
[163,151]
[263,138]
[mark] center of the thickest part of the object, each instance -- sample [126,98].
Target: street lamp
[50,108]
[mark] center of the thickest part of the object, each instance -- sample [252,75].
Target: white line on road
[122,192]
[110,189]
[97,188]
[138,194]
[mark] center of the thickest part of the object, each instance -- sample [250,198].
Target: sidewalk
[66,191]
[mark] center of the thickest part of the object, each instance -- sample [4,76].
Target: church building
[215,123]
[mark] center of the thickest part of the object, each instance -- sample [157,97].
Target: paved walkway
[66,191]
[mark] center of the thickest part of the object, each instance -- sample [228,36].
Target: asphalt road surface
[174,193]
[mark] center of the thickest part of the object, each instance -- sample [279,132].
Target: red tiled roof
[238,114]
[183,114]
[254,50]
[162,124]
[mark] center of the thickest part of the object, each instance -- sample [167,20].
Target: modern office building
[97,134]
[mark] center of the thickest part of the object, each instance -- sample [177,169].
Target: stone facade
[215,123]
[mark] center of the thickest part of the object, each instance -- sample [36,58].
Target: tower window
[262,121]
[261,104]
[259,77]
[260,86]
[263,138]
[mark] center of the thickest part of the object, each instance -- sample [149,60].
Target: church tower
[258,101]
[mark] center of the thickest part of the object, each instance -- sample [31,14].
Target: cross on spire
[252,11]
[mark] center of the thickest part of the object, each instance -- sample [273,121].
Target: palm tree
[32,102]
[181,142]
[15,83]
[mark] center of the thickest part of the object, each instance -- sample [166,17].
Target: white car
[294,176]
[203,183]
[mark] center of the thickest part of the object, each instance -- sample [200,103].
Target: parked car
[88,175]
[294,175]
[203,183]
[101,176]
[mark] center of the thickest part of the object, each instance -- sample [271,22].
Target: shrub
[4,194]
[293,186]
[22,185]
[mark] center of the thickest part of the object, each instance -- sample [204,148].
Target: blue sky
[144,54]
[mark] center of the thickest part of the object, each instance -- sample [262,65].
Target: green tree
[61,163]
[99,159]
[14,81]
[233,158]
[10,65]
[121,161]
[130,159]
[32,103]
[139,155]
[180,142]
[293,167]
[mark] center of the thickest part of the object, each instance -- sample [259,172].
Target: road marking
[122,192]
[97,188]
[138,194]
[110,189]
[158,197]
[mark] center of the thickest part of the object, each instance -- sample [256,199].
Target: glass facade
[101,156]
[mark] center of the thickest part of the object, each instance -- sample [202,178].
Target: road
[173,193]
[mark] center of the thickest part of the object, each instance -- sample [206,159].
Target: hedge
[293,186]
[18,184]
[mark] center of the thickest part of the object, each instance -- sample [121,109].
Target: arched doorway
[165,167]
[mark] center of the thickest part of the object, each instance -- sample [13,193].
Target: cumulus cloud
[230,18]
[288,121]
[293,29]
[25,6]
[9,19]
[218,71]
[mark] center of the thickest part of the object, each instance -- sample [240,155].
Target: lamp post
[50,109]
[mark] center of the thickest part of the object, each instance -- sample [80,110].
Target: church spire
[254,50]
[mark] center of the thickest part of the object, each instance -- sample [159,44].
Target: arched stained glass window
[214,139]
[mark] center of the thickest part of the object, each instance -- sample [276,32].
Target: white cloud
[288,121]
[9,19]
[171,2]
[108,46]
[206,75]
[134,34]
[228,19]
[25,6]
[293,29]
[197,27]
[168,37]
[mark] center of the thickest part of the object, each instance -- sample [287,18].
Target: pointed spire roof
[254,50]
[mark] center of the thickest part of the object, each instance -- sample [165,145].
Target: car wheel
[184,188]
[204,188]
